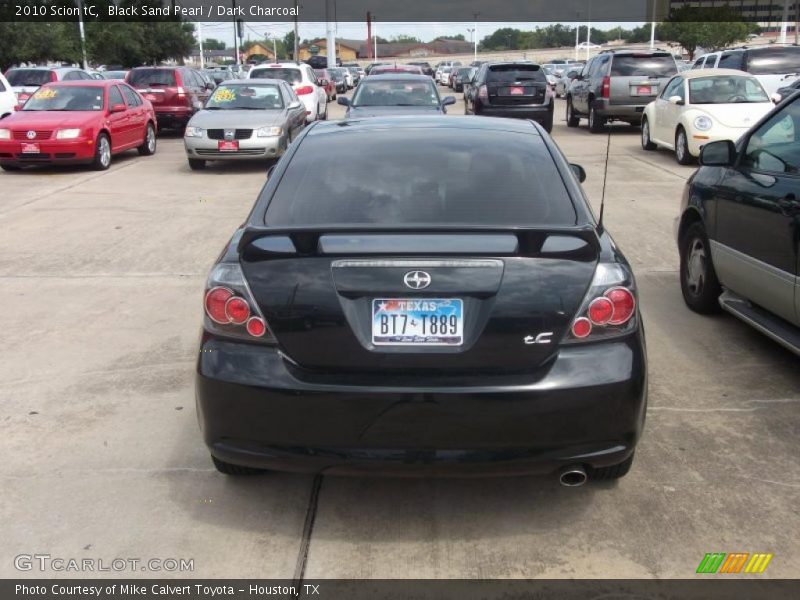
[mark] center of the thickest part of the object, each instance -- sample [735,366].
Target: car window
[421,176]
[774,61]
[28,77]
[674,88]
[646,65]
[726,89]
[131,97]
[72,76]
[502,74]
[114,96]
[152,77]
[775,146]
[395,93]
[598,67]
[731,60]
[711,62]
[66,98]
[82,75]
[286,74]
[2,86]
[698,64]
[245,96]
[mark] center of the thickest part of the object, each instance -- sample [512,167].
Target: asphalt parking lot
[102,277]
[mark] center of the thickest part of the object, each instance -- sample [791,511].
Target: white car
[304,82]
[774,65]
[442,75]
[26,80]
[8,99]
[699,107]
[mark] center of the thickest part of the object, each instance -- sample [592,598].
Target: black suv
[511,89]
[426,68]
[617,85]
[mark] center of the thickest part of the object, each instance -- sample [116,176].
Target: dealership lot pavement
[102,276]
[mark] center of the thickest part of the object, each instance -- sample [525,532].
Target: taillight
[180,91]
[53,76]
[230,307]
[303,90]
[609,308]
[606,86]
[483,93]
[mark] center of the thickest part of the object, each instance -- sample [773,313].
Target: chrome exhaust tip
[572,476]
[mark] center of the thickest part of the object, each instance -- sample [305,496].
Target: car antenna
[605,179]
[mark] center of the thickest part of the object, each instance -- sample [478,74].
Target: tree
[405,39]
[459,37]
[288,44]
[709,28]
[213,44]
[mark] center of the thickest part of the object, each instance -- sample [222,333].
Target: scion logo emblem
[417,280]
[31,135]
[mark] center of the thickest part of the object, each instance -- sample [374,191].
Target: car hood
[735,115]
[251,119]
[51,119]
[381,111]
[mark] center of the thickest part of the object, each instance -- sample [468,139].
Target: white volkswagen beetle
[702,106]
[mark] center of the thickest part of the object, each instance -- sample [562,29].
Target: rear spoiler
[530,240]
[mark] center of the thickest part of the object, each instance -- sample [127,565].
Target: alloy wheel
[151,140]
[696,266]
[105,152]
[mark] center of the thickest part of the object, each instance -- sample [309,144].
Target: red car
[330,85]
[175,92]
[77,122]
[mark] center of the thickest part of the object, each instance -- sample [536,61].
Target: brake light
[53,76]
[609,308]
[180,91]
[483,93]
[303,90]
[230,307]
[606,86]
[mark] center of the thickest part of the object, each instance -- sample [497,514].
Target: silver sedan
[244,119]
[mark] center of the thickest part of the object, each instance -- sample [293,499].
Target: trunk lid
[320,292]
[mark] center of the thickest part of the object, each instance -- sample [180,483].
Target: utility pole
[200,41]
[577,33]
[797,22]
[374,39]
[653,27]
[784,21]
[83,35]
[331,35]
[476,15]
[235,37]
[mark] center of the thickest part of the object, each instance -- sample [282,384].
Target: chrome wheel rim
[696,267]
[105,152]
[151,139]
[645,133]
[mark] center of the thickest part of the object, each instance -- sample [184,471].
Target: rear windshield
[288,75]
[152,77]
[421,176]
[23,77]
[643,66]
[395,93]
[774,61]
[515,73]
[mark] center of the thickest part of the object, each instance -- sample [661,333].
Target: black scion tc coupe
[423,295]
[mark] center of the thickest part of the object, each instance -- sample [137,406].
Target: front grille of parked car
[239,134]
[40,135]
[239,152]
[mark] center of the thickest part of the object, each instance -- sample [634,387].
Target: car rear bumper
[253,148]
[79,151]
[173,117]
[621,111]
[587,406]
[538,113]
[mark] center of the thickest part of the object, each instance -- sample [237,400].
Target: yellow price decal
[224,95]
[45,94]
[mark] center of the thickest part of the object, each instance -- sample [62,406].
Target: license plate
[516,91]
[150,97]
[644,90]
[228,146]
[417,321]
[30,149]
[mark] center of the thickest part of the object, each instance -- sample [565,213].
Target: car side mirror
[677,100]
[118,108]
[776,98]
[323,82]
[295,104]
[343,101]
[210,86]
[448,100]
[579,171]
[718,154]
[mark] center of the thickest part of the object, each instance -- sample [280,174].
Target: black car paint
[319,400]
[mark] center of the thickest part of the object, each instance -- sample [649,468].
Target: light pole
[200,43]
[476,15]
[83,34]
[653,27]
[472,33]
[374,40]
[577,32]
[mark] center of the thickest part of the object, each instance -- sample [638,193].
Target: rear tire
[102,153]
[613,472]
[548,123]
[197,165]
[596,123]
[230,469]
[682,154]
[699,284]
[148,147]
[647,143]
[572,119]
